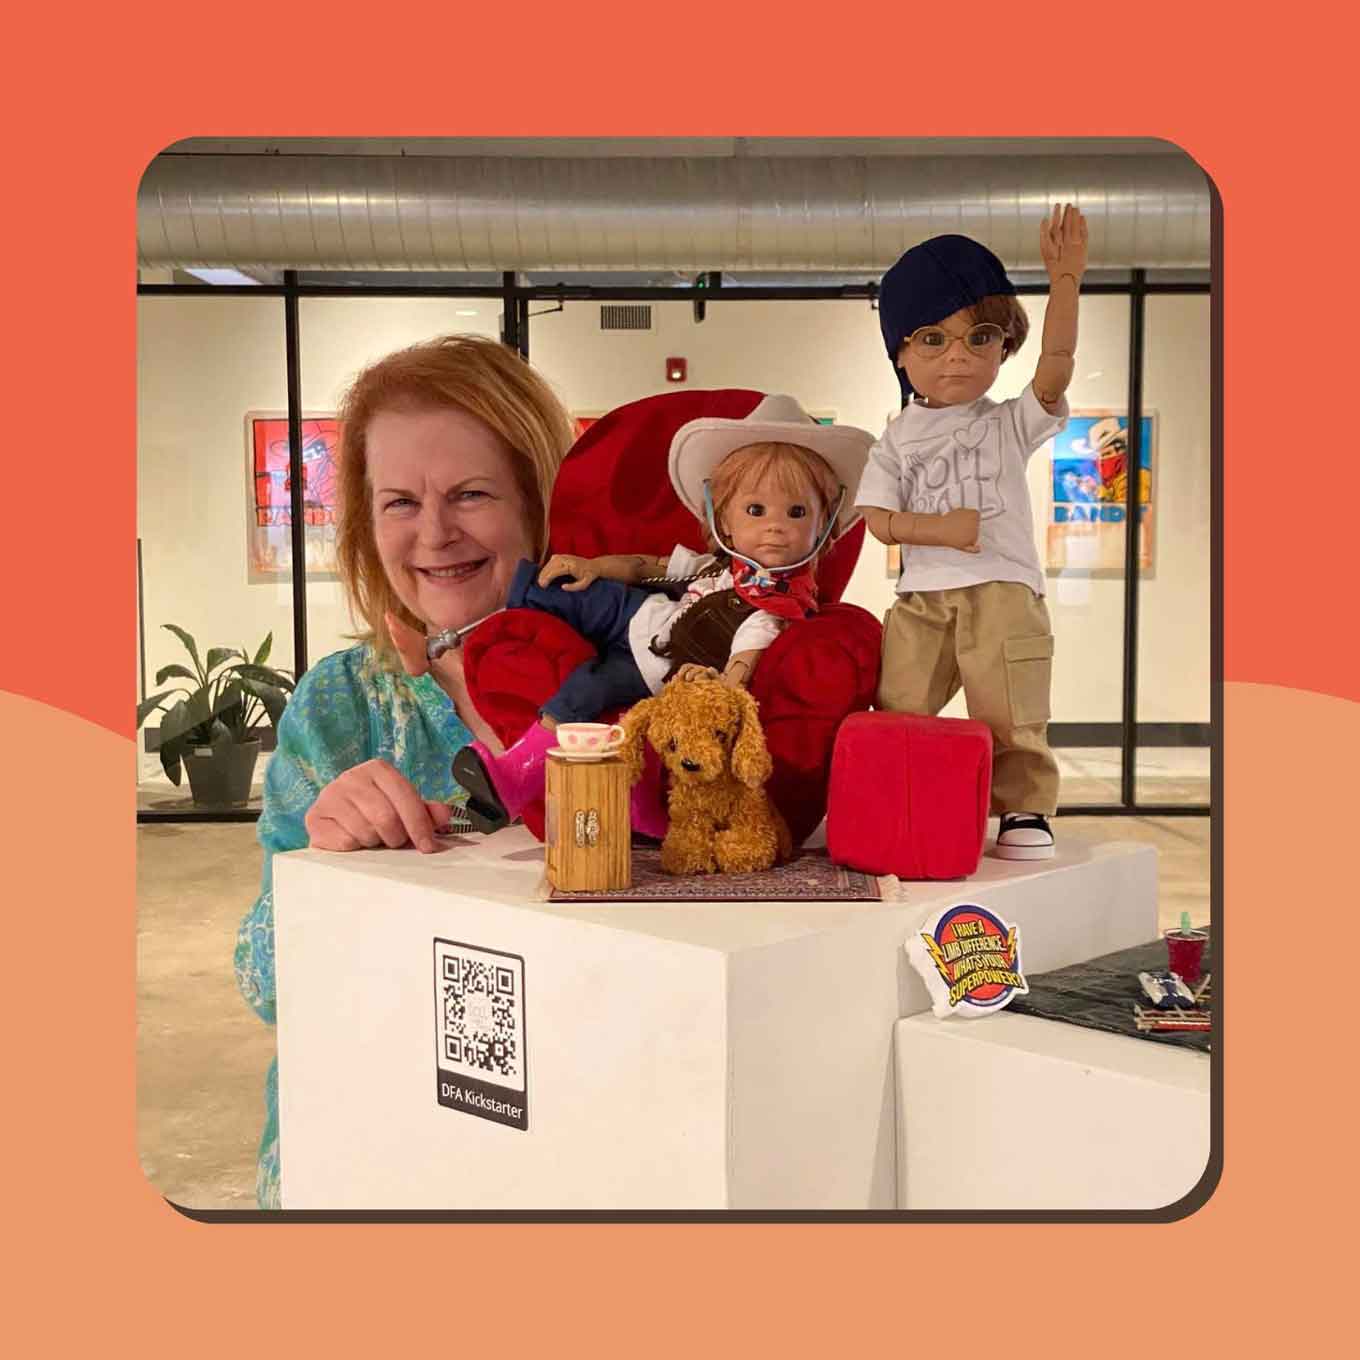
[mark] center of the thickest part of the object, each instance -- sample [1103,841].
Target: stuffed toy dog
[710,740]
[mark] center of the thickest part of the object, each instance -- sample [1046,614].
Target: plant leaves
[217,655]
[191,646]
[174,725]
[262,655]
[177,670]
[273,699]
[152,702]
[185,716]
[170,762]
[266,675]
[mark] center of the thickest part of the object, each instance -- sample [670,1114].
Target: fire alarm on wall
[676,370]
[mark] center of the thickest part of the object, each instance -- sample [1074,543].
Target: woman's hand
[370,805]
[1062,242]
[583,569]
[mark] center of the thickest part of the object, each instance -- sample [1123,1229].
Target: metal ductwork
[785,213]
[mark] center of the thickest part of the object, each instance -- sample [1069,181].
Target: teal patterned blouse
[347,709]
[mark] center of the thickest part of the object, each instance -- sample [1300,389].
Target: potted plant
[210,724]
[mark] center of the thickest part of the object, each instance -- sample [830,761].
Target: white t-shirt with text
[973,457]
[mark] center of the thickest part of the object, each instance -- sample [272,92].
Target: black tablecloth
[1101,994]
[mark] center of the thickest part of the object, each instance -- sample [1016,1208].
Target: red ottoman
[909,795]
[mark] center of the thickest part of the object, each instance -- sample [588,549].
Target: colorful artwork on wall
[269,531]
[1088,504]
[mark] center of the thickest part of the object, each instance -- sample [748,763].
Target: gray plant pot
[221,778]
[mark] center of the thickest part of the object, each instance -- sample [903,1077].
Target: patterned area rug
[812,877]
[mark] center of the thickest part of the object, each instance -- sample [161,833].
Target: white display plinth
[1015,1112]
[679,1055]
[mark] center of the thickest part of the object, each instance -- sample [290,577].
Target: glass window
[1174,602]
[204,365]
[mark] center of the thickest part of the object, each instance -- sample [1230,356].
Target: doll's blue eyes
[756,510]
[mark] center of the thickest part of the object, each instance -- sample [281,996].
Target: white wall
[205,362]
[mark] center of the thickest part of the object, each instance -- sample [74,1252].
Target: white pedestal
[1014,1112]
[678,1055]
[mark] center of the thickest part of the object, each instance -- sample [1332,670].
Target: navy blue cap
[930,282]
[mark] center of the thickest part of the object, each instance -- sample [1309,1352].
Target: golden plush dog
[709,738]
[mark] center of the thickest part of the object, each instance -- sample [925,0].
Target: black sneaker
[1024,835]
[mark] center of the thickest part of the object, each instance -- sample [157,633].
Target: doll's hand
[692,670]
[563,564]
[1062,242]
[959,529]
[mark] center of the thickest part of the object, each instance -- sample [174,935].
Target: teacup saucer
[602,754]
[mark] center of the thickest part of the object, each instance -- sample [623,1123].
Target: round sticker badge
[970,960]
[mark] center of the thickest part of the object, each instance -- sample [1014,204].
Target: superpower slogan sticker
[970,960]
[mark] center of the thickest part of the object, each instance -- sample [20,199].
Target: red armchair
[613,495]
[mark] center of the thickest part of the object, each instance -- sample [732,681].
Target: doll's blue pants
[601,614]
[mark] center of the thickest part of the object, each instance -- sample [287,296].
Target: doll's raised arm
[1062,243]
[952,529]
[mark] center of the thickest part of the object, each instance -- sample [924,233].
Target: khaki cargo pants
[996,642]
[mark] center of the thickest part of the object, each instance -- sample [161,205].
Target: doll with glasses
[975,621]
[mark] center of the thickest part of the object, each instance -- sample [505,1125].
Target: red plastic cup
[1185,953]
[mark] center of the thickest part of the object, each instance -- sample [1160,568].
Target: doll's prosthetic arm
[630,569]
[1062,243]
[1058,360]
[952,529]
[736,673]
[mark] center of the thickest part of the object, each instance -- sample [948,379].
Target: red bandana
[787,595]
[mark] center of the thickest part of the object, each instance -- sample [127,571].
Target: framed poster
[1087,507]
[269,514]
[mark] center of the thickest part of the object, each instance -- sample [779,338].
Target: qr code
[481,1020]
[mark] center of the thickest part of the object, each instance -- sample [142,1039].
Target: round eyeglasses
[933,341]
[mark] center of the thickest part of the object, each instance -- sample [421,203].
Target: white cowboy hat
[701,445]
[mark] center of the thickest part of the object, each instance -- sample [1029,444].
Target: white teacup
[588,736]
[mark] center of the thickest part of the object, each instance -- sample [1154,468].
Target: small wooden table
[587,826]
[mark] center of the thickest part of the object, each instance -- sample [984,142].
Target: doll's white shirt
[653,622]
[933,459]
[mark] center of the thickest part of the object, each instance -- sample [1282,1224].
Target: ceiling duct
[785,213]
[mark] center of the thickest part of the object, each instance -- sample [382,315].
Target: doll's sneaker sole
[1009,851]
[485,810]
[1025,837]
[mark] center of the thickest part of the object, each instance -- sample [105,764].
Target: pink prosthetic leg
[499,787]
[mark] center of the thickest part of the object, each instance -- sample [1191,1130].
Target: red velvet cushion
[815,673]
[909,795]
[514,662]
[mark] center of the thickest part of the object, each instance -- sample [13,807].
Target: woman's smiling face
[448,513]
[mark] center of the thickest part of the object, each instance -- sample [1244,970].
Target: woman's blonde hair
[472,374]
[794,469]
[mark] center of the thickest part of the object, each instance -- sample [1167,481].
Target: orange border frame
[1261,105]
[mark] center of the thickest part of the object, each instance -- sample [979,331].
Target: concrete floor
[202,1054]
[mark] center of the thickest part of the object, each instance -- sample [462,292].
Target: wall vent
[614,317]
